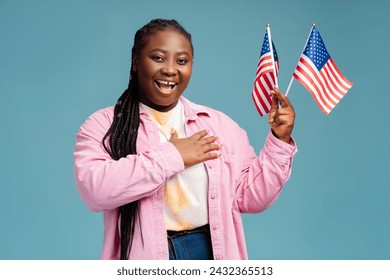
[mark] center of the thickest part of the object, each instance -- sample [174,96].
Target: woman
[172,177]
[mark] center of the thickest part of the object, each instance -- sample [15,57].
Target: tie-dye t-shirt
[185,194]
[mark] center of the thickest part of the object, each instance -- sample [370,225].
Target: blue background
[62,60]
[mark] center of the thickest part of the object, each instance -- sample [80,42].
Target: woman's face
[164,68]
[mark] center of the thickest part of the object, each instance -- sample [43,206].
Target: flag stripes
[319,74]
[327,86]
[265,78]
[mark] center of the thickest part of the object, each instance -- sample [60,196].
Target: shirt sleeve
[263,177]
[106,184]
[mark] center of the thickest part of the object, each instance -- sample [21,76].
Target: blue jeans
[190,244]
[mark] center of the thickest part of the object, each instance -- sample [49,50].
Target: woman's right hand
[196,148]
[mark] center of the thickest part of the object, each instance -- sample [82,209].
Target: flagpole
[289,85]
[292,78]
[271,47]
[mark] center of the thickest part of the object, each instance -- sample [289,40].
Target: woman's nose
[169,69]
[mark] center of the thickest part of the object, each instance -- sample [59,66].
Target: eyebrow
[164,51]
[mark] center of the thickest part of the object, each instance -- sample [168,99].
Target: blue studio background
[62,60]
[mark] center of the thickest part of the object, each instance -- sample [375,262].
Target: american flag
[265,78]
[318,73]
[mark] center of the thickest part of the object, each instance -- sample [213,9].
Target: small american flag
[318,73]
[265,78]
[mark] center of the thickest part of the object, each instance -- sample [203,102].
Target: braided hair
[121,137]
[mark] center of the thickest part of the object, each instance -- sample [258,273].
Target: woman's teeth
[165,85]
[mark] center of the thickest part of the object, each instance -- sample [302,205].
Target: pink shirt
[239,181]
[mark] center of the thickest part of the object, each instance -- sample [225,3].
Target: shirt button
[213,196]
[219,258]
[210,166]
[215,227]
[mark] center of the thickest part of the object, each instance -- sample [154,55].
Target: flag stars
[316,50]
[327,85]
[266,47]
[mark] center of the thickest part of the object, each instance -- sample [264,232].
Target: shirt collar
[191,110]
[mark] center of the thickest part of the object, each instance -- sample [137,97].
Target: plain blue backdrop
[62,60]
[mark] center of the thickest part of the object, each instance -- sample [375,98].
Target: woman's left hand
[281,119]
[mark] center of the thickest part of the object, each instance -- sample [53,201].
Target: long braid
[122,134]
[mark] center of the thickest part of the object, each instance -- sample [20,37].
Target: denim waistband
[172,233]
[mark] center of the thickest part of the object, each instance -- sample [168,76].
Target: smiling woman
[164,68]
[172,177]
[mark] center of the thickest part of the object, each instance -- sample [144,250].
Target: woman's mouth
[165,86]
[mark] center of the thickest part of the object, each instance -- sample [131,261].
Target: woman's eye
[157,58]
[182,61]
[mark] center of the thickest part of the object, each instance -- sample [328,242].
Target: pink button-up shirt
[239,181]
